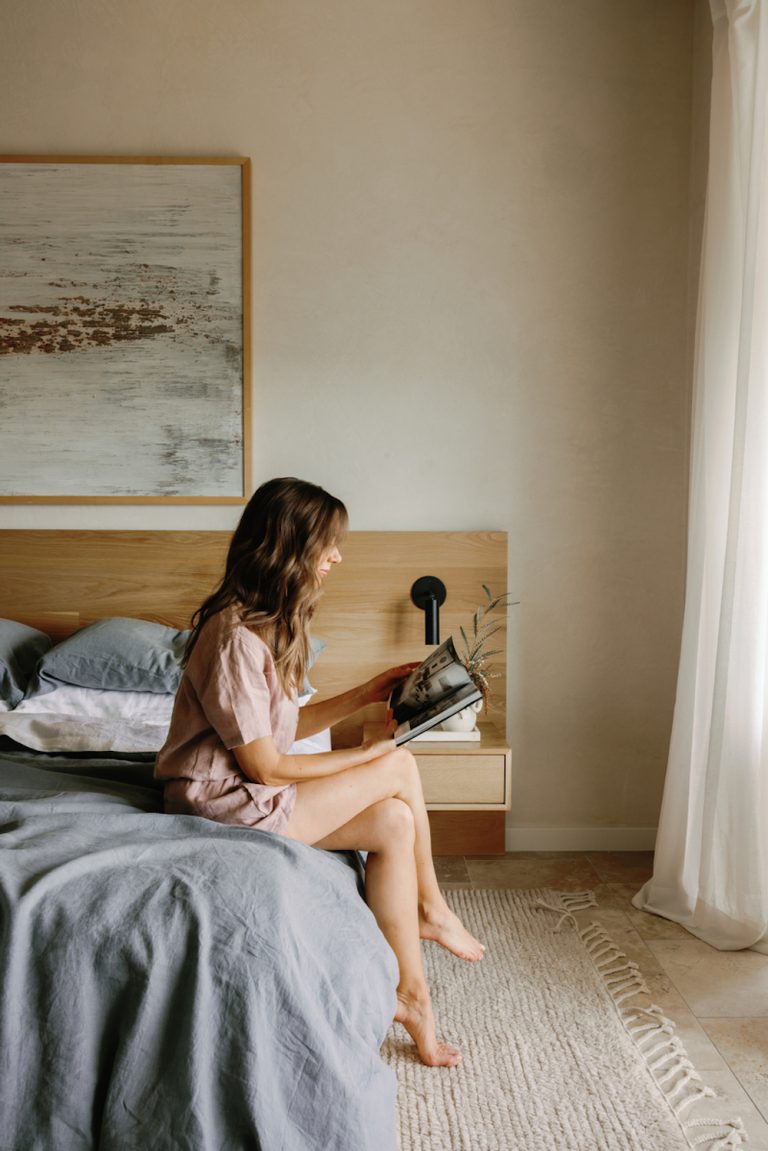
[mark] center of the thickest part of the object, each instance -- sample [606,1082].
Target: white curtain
[711,863]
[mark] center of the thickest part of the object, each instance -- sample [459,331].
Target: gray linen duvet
[170,984]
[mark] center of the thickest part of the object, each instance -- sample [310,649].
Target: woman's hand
[328,712]
[383,740]
[379,689]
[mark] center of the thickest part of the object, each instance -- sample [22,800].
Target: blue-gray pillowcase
[116,654]
[20,649]
[316,648]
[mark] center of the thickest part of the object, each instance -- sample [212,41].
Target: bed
[167,982]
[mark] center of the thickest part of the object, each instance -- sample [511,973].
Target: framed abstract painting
[124,330]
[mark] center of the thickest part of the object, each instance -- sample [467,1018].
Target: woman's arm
[314,717]
[261,762]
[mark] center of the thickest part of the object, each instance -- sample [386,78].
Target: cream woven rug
[562,1048]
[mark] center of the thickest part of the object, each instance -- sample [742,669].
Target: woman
[236,717]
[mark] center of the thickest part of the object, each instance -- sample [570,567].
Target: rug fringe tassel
[652,1032]
[734,1136]
[570,903]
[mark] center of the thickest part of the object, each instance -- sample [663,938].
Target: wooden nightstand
[467,788]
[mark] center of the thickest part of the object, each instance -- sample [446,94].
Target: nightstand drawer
[463,780]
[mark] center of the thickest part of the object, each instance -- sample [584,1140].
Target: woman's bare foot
[438,923]
[414,1011]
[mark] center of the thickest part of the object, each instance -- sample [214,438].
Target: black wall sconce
[428,593]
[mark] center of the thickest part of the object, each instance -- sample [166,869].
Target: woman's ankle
[432,907]
[414,994]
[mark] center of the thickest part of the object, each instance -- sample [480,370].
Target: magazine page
[432,716]
[440,675]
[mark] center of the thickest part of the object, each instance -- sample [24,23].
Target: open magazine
[437,689]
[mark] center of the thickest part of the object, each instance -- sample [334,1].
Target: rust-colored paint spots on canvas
[77,323]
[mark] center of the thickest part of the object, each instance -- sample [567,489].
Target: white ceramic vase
[464,720]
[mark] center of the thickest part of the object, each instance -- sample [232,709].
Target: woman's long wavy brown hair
[271,571]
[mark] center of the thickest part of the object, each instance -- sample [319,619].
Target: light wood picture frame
[125,357]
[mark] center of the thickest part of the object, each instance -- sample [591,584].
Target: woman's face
[329,556]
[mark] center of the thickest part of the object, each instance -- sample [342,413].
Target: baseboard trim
[580,838]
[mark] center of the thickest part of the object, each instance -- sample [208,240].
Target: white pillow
[92,719]
[75,719]
[74,733]
[321,741]
[98,703]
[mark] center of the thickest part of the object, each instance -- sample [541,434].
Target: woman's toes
[415,1014]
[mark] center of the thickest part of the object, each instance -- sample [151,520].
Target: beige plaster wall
[471,253]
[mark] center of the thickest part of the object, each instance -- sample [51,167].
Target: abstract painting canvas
[124,349]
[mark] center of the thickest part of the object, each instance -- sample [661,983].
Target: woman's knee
[408,773]
[398,775]
[400,764]
[394,821]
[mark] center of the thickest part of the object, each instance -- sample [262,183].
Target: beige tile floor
[718,1000]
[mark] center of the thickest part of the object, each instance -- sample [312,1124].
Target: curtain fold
[711,862]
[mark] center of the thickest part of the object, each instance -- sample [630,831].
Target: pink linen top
[229,695]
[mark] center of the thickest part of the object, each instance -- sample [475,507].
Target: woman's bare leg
[324,804]
[391,893]
[436,920]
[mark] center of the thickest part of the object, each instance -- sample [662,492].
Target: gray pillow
[20,649]
[117,654]
[316,647]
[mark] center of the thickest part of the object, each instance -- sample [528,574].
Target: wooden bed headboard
[60,580]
